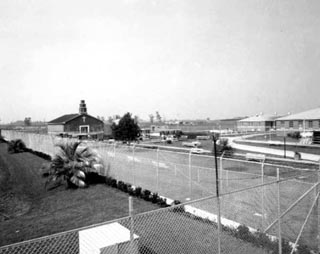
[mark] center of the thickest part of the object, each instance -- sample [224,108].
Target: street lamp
[215,137]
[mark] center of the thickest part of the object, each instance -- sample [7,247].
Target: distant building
[303,121]
[80,125]
[229,124]
[257,123]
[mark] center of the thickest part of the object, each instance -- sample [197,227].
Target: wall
[73,125]
[55,128]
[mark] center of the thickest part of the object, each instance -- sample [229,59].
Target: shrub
[154,198]
[2,140]
[131,191]
[295,135]
[113,183]
[95,178]
[162,202]
[303,249]
[120,185]
[224,146]
[244,233]
[126,187]
[138,192]
[146,195]
[178,207]
[16,146]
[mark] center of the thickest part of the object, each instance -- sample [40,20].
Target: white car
[197,150]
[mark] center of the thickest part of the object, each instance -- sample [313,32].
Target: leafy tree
[159,118]
[110,119]
[72,165]
[27,121]
[126,130]
[151,117]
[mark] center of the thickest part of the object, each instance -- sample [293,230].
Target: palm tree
[72,165]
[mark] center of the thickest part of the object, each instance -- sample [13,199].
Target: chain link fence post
[133,164]
[158,169]
[190,174]
[279,212]
[221,168]
[262,195]
[317,209]
[131,224]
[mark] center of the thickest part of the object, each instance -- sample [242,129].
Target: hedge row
[137,191]
[18,146]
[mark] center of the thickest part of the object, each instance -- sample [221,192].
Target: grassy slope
[60,210]
[34,212]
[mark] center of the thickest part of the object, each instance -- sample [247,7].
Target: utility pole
[215,137]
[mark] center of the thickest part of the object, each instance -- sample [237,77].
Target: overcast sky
[186,59]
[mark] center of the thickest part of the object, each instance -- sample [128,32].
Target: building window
[310,124]
[282,123]
[300,124]
[290,124]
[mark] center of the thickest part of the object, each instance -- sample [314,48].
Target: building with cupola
[78,125]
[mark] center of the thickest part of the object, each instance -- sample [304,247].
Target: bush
[224,146]
[303,249]
[2,140]
[295,135]
[155,198]
[131,191]
[95,178]
[178,207]
[120,185]
[162,202]
[138,192]
[146,195]
[16,146]
[113,183]
[244,233]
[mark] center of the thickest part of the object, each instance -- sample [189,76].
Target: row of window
[298,123]
[255,124]
[302,124]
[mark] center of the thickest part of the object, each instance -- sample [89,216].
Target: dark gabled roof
[63,119]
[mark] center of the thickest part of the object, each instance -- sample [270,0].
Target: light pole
[215,137]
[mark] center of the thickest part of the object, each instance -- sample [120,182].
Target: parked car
[198,150]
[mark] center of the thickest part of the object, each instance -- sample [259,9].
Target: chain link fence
[213,224]
[272,201]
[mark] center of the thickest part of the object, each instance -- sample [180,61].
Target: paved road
[265,150]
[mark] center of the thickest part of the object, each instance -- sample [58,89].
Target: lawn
[28,211]
[272,137]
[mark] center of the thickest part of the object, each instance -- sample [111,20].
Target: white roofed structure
[259,122]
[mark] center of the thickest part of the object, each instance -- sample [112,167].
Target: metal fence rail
[192,227]
[279,200]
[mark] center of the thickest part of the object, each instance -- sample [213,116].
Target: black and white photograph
[159,127]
